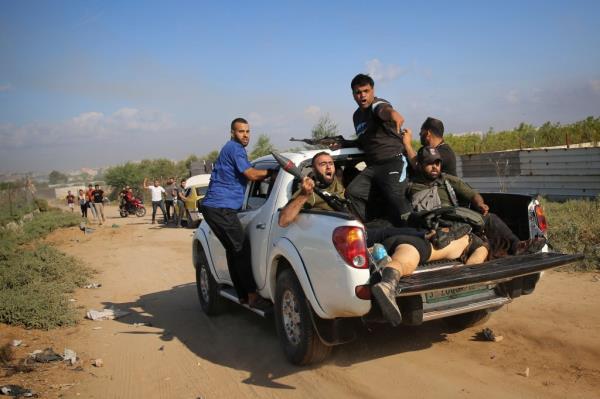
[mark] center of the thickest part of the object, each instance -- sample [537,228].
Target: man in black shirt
[379,135]
[432,135]
[98,197]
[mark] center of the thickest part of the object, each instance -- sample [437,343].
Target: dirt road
[181,353]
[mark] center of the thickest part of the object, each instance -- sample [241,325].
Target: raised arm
[389,114]
[145,182]
[411,154]
[289,212]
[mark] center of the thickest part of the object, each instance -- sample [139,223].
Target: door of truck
[257,219]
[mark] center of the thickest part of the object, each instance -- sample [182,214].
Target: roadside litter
[93,285]
[86,230]
[115,226]
[488,335]
[97,363]
[70,356]
[46,356]
[105,314]
[17,391]
[16,342]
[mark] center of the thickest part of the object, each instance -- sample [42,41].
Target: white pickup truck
[316,271]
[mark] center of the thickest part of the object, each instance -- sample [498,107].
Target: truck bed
[493,271]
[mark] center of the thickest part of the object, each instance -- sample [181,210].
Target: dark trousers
[499,234]
[386,181]
[180,210]
[159,204]
[168,205]
[225,224]
[84,209]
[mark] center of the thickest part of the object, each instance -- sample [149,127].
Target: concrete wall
[556,173]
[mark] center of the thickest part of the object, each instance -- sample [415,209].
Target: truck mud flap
[497,270]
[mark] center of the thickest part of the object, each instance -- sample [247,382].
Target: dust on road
[178,352]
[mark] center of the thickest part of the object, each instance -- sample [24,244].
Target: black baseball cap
[428,156]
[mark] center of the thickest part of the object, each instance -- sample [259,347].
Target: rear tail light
[350,243]
[541,219]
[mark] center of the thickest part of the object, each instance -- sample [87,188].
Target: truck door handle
[261,226]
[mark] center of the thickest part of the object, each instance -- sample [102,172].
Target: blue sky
[95,83]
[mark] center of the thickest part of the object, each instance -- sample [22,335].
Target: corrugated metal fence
[555,173]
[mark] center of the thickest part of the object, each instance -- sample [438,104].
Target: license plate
[454,293]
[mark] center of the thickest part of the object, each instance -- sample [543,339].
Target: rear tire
[466,320]
[208,290]
[297,334]
[140,212]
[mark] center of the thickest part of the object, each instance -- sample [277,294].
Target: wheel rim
[204,284]
[291,317]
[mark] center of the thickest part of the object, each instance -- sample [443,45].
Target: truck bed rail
[488,272]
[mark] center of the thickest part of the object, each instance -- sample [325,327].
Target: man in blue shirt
[224,199]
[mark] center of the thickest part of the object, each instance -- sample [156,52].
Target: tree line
[523,136]
[527,136]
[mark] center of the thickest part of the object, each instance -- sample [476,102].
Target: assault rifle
[337,141]
[335,202]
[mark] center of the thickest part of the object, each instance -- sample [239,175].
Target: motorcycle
[134,207]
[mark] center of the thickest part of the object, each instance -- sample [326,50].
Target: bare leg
[405,259]
[478,256]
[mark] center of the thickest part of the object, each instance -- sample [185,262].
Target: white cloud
[384,72]
[5,87]
[512,97]
[595,85]
[256,119]
[86,127]
[312,111]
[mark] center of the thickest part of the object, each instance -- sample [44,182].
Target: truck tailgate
[492,271]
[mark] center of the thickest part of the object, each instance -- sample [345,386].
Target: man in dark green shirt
[431,177]
[433,189]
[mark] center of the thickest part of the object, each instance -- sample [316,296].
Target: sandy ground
[181,353]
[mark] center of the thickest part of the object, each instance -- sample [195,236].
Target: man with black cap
[433,189]
[431,135]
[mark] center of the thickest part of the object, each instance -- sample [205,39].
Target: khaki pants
[99,206]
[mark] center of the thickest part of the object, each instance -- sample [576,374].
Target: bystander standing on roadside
[98,196]
[170,198]
[179,194]
[90,201]
[70,201]
[156,192]
[82,203]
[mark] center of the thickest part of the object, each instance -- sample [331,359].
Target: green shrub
[34,279]
[46,222]
[41,204]
[573,228]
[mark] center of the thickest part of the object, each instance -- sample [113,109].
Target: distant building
[200,167]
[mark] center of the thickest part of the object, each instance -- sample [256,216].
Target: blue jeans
[159,204]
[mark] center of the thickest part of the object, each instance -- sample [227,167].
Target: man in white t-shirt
[157,192]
